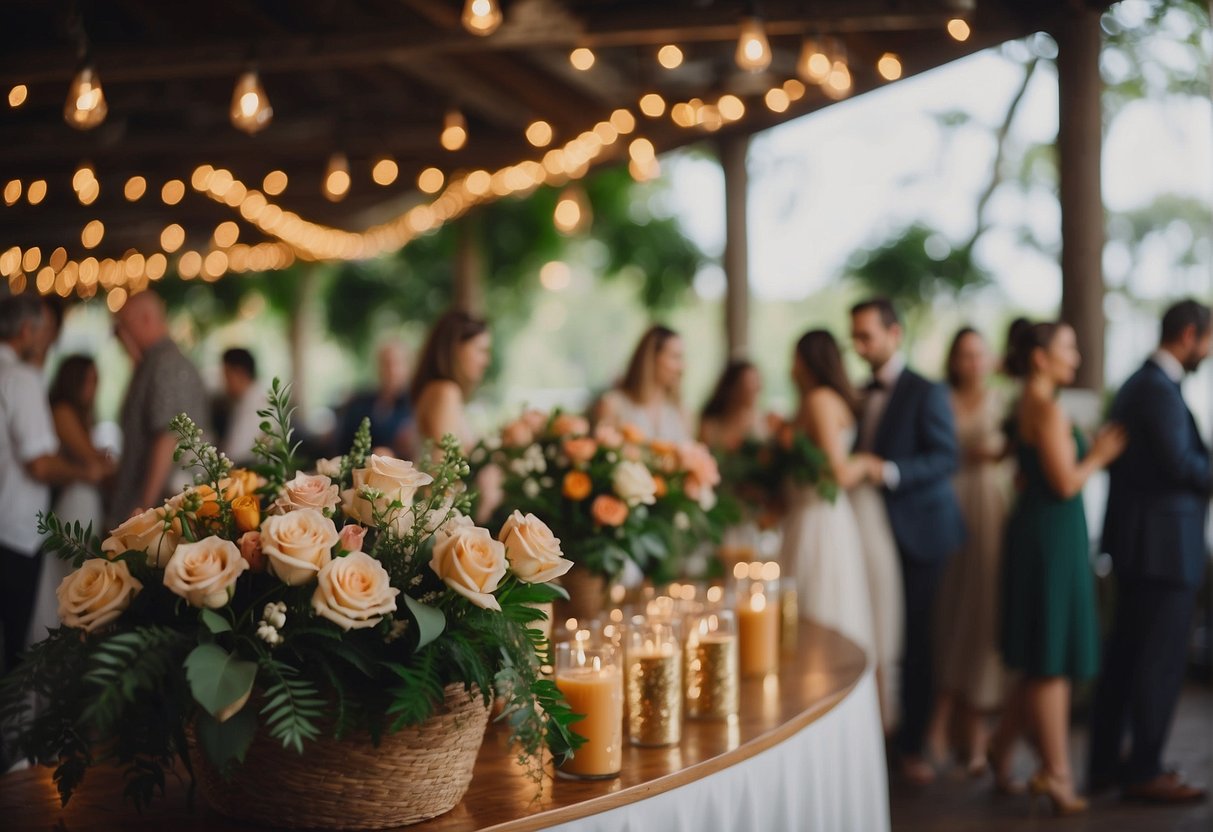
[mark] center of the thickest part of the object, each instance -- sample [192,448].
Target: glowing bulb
[777,100]
[336,179]
[226,234]
[623,121]
[172,237]
[642,151]
[135,188]
[85,107]
[652,105]
[889,66]
[838,82]
[172,192]
[539,133]
[731,107]
[36,192]
[89,193]
[83,176]
[669,56]
[274,182]
[251,111]
[430,180]
[385,171]
[454,131]
[683,114]
[12,191]
[753,49]
[481,17]
[581,58]
[959,29]
[17,95]
[572,212]
[814,62]
[92,234]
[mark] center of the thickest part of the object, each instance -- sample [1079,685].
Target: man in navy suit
[908,432]
[1158,499]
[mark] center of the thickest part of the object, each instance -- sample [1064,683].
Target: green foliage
[916,266]
[293,705]
[68,541]
[125,665]
[276,448]
[197,452]
[218,680]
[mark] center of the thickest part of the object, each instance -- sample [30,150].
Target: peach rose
[96,594]
[151,532]
[395,479]
[308,491]
[608,436]
[631,433]
[634,484]
[330,467]
[698,462]
[246,511]
[351,537]
[470,562]
[580,450]
[577,485]
[532,550]
[660,486]
[609,511]
[209,497]
[298,544]
[536,420]
[205,573]
[250,550]
[240,482]
[517,434]
[354,592]
[567,424]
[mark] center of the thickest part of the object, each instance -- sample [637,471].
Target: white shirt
[873,411]
[1169,364]
[244,425]
[27,432]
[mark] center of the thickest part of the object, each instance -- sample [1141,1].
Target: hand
[94,471]
[873,467]
[1109,443]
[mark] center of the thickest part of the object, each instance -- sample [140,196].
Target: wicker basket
[414,774]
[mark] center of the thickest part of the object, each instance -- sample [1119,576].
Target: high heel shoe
[1004,783]
[1059,792]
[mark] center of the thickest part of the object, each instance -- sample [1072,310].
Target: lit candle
[591,681]
[654,685]
[711,667]
[758,627]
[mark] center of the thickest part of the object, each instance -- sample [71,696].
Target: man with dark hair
[907,432]
[244,398]
[1154,530]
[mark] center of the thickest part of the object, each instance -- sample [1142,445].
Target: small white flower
[546,482]
[478,456]
[493,443]
[681,521]
[530,488]
[520,468]
[268,634]
[552,451]
[612,457]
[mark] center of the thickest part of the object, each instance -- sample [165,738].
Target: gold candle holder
[711,666]
[653,684]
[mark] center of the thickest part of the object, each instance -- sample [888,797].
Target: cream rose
[308,491]
[330,467]
[149,532]
[96,594]
[205,573]
[298,544]
[470,562]
[395,479]
[634,484]
[532,550]
[354,592]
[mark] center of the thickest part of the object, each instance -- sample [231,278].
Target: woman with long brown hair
[649,397]
[730,416]
[456,355]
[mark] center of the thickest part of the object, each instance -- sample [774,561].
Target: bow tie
[875,385]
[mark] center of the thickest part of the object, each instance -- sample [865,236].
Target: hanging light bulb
[454,130]
[814,62]
[753,49]
[838,83]
[481,17]
[889,66]
[85,107]
[573,213]
[251,111]
[337,178]
[959,29]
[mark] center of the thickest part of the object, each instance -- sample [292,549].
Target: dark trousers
[920,582]
[1143,671]
[18,590]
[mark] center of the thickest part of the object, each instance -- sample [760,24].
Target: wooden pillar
[469,265]
[1079,144]
[736,249]
[301,330]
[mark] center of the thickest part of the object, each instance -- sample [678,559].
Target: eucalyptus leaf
[218,680]
[214,622]
[430,621]
[228,741]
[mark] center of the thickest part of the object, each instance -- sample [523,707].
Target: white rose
[634,484]
[96,594]
[532,550]
[298,544]
[149,532]
[205,573]
[397,480]
[308,491]
[330,467]
[354,592]
[470,562]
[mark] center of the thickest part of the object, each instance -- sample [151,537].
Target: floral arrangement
[612,496]
[758,470]
[328,603]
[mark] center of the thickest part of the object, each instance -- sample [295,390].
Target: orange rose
[246,511]
[239,482]
[210,502]
[632,434]
[577,485]
[609,511]
[580,451]
[663,487]
[567,424]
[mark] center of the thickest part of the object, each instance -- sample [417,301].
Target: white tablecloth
[829,777]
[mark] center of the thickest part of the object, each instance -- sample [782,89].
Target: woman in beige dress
[649,397]
[970,674]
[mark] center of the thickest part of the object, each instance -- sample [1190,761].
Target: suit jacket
[1158,491]
[918,434]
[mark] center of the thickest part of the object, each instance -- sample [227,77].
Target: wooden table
[814,678]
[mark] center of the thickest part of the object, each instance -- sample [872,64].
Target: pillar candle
[654,685]
[758,631]
[591,681]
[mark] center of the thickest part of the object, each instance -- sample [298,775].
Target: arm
[1062,469]
[938,456]
[73,437]
[440,411]
[32,431]
[53,469]
[821,419]
[159,466]
[1165,429]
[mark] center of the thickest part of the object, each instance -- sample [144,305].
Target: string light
[889,66]
[226,234]
[430,181]
[93,233]
[777,100]
[481,17]
[959,29]
[172,192]
[753,49]
[454,131]
[17,95]
[89,192]
[815,60]
[795,89]
[731,107]
[12,191]
[572,213]
[539,133]
[85,107]
[337,178]
[274,182]
[838,82]
[135,188]
[385,171]
[251,111]
[172,237]
[581,58]
[36,192]
[652,105]
[669,56]
[83,175]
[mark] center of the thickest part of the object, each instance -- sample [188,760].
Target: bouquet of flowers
[613,497]
[289,603]
[758,470]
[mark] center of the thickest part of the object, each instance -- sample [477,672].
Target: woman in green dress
[1050,633]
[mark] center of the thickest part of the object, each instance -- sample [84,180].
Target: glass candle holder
[591,681]
[653,684]
[758,622]
[789,614]
[711,666]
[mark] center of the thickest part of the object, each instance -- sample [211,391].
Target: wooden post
[301,328]
[469,265]
[1079,144]
[736,249]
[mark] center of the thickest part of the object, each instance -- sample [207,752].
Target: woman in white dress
[650,395]
[453,362]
